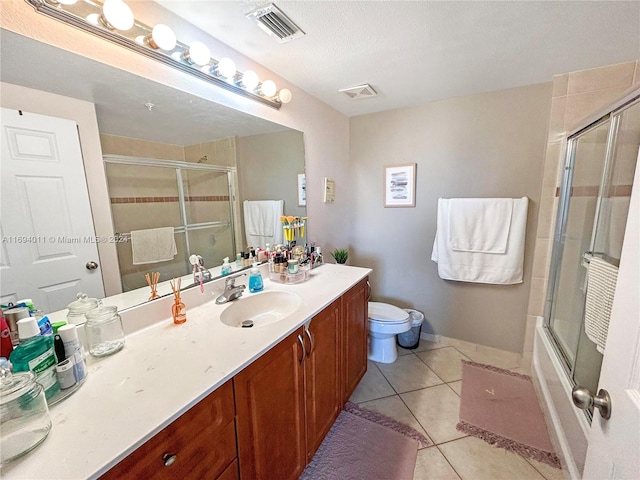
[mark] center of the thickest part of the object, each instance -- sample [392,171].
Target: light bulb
[162,37]
[93,19]
[117,14]
[198,54]
[226,68]
[250,80]
[268,88]
[67,2]
[285,95]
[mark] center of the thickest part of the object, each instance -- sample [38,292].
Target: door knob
[583,399]
[91,265]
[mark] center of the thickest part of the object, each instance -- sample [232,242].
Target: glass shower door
[593,209]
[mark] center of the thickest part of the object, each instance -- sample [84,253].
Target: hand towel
[262,222]
[153,245]
[601,288]
[496,268]
[479,224]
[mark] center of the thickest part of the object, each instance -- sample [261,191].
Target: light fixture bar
[76,15]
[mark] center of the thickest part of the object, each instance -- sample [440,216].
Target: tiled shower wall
[576,95]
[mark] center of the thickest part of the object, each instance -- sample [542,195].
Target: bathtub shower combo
[593,203]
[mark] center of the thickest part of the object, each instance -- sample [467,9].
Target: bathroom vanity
[209,400]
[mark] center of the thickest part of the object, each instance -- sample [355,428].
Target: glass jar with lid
[104,331]
[79,307]
[24,415]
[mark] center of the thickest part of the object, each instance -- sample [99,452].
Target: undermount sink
[260,309]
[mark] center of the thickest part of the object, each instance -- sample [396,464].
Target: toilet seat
[386,313]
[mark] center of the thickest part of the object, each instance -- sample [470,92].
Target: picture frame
[400,185]
[302,190]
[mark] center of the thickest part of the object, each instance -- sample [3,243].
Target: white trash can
[411,338]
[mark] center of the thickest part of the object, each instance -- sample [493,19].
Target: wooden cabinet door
[322,375]
[270,413]
[198,445]
[354,336]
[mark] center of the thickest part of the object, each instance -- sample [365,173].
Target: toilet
[385,322]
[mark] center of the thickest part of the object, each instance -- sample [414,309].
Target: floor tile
[373,385]
[431,465]
[547,471]
[427,345]
[474,459]
[437,409]
[492,356]
[446,362]
[408,373]
[395,408]
[456,386]
[404,351]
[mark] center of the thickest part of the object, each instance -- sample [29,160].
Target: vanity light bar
[91,16]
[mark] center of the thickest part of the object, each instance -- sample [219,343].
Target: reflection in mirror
[171,159]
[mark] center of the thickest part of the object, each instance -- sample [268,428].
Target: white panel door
[45,217]
[614,444]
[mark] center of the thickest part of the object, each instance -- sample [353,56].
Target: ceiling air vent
[273,21]
[361,91]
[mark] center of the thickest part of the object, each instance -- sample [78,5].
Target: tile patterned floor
[422,389]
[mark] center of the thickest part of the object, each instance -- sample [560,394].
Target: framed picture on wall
[400,185]
[302,190]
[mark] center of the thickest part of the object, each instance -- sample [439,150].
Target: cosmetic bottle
[255,279]
[36,354]
[226,268]
[238,260]
[73,350]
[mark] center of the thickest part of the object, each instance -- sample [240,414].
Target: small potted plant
[340,255]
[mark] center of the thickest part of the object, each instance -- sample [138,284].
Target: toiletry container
[255,279]
[36,354]
[226,267]
[76,314]
[104,331]
[24,415]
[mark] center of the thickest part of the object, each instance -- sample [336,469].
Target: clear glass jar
[24,415]
[79,307]
[104,331]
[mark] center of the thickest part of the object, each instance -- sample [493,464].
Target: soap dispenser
[226,267]
[255,279]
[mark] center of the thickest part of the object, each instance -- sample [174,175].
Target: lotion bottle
[226,268]
[255,279]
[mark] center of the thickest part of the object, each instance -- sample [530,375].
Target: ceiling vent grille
[273,21]
[361,91]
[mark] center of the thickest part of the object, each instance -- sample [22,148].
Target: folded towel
[498,268]
[479,224]
[601,288]
[153,245]
[262,222]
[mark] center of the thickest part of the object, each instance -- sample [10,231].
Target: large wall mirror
[170,159]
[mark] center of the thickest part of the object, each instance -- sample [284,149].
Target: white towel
[262,222]
[601,288]
[153,245]
[479,224]
[498,268]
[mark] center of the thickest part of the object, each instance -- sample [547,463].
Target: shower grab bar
[125,237]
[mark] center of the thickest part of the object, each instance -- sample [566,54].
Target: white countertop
[163,370]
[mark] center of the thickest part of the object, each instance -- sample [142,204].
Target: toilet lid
[384,312]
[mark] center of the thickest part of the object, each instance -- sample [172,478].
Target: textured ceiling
[418,51]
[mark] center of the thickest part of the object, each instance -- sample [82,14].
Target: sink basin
[260,309]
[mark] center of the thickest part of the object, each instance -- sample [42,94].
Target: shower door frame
[613,115]
[178,166]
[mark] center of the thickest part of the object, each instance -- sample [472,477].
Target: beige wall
[488,145]
[576,96]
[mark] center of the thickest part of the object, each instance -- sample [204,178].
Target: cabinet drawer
[198,445]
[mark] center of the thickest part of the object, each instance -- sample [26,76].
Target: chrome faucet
[231,290]
[198,269]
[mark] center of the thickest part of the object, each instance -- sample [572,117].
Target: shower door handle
[583,399]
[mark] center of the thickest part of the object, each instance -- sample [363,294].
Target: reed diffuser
[153,280]
[178,308]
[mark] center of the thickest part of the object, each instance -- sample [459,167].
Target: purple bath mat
[501,408]
[365,445]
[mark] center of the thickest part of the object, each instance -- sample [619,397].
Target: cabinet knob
[169,459]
